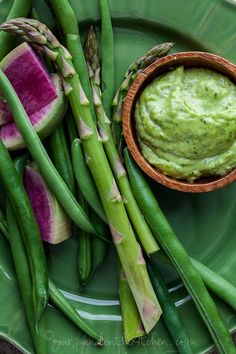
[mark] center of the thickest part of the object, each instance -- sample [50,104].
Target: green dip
[186,123]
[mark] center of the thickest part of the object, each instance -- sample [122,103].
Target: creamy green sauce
[186,123]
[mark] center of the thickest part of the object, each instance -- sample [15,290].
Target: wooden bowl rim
[210,60]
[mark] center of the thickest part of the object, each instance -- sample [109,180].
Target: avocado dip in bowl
[179,121]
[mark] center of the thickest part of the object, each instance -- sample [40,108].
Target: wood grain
[188,59]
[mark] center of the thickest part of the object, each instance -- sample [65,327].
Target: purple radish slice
[30,80]
[54,224]
[44,120]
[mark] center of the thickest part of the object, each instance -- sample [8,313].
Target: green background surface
[205,223]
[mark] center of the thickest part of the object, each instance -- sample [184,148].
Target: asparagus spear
[132,324]
[142,229]
[134,69]
[68,24]
[128,249]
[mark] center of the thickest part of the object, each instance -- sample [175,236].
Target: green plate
[205,223]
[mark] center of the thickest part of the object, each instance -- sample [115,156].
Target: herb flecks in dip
[186,123]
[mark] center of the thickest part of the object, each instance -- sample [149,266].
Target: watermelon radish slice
[29,78]
[54,224]
[42,95]
[44,120]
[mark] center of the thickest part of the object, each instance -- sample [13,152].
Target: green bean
[85,180]
[99,247]
[170,314]
[32,238]
[18,9]
[71,129]
[218,285]
[84,250]
[213,281]
[3,224]
[177,254]
[107,47]
[61,157]
[24,281]
[61,302]
[39,154]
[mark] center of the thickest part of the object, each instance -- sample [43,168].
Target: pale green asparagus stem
[129,251]
[132,324]
[142,229]
[68,23]
[134,69]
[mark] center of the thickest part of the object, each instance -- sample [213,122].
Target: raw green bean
[84,249]
[47,169]
[177,254]
[84,258]
[61,302]
[218,285]
[85,180]
[30,231]
[99,247]
[60,156]
[107,47]
[18,9]
[213,281]
[71,129]
[170,314]
[24,281]
[3,223]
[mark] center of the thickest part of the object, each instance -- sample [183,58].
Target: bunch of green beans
[25,285]
[19,200]
[10,227]
[21,263]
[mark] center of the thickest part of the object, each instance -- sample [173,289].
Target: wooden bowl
[188,59]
